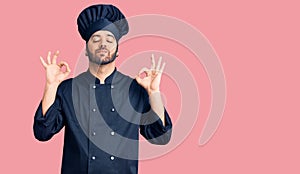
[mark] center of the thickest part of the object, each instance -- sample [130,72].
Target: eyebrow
[97,35]
[110,35]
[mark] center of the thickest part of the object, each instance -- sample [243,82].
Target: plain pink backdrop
[256,41]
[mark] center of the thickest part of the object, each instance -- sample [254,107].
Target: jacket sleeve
[44,127]
[151,126]
[153,130]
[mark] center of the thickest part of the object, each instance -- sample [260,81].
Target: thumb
[138,79]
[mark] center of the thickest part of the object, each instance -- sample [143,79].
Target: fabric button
[94,86]
[112,86]
[94,110]
[93,157]
[112,158]
[112,109]
[112,133]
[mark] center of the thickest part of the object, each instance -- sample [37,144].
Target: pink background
[258,45]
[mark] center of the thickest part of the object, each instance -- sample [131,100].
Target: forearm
[157,105]
[45,126]
[48,97]
[48,119]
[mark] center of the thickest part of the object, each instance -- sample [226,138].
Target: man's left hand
[152,78]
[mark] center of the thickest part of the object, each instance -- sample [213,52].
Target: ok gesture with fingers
[152,79]
[54,71]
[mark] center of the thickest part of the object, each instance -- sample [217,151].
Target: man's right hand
[54,76]
[54,72]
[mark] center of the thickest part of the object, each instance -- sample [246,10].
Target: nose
[102,45]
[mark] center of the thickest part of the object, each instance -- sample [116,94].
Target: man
[102,110]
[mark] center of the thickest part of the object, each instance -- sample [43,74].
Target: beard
[103,59]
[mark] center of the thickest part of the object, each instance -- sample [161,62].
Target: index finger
[144,69]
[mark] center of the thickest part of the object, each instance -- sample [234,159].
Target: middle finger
[55,57]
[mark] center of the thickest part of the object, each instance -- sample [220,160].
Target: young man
[102,109]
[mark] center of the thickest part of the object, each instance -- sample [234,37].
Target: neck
[102,71]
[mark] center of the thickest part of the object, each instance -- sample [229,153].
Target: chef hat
[102,17]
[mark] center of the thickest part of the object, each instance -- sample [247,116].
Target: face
[101,47]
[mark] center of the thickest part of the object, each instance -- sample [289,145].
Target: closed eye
[96,39]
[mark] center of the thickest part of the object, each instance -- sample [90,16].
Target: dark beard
[102,62]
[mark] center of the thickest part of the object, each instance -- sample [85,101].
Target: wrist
[52,83]
[150,92]
[50,86]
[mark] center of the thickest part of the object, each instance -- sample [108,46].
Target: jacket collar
[93,79]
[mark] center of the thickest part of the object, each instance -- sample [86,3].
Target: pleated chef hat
[102,17]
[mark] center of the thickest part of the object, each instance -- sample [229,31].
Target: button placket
[93,112]
[93,109]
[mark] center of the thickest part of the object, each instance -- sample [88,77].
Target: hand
[54,73]
[152,79]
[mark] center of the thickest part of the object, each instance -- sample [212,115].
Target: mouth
[102,51]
